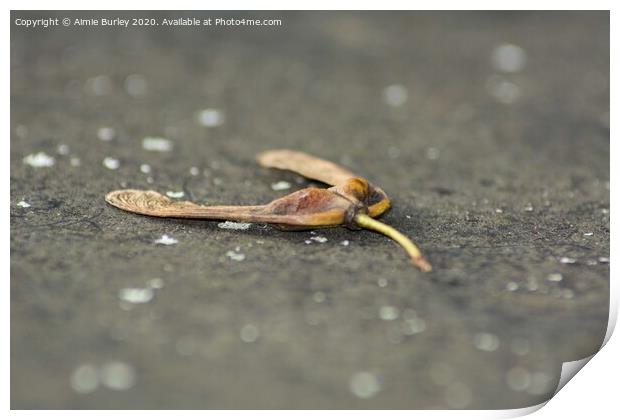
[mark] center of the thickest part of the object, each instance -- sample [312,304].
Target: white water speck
[136,295]
[166,240]
[395,95]
[194,171]
[100,85]
[210,117]
[588,234]
[319,297]
[156,144]
[432,153]
[518,379]
[555,277]
[39,160]
[235,256]
[249,333]
[118,376]
[509,58]
[136,85]
[63,149]
[568,260]
[319,239]
[486,341]
[75,161]
[528,207]
[512,286]
[106,133]
[382,282]
[280,185]
[21,131]
[503,90]
[175,194]
[145,168]
[307,241]
[155,283]
[344,243]
[234,225]
[500,211]
[388,313]
[364,385]
[23,204]
[111,163]
[603,259]
[414,326]
[85,379]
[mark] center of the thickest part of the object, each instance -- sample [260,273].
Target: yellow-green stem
[367,222]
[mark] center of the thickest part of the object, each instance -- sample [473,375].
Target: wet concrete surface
[498,168]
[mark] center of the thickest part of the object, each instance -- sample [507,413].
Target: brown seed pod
[351,201]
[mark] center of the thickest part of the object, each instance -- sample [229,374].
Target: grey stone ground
[496,175]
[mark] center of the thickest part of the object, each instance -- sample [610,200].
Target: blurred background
[489,131]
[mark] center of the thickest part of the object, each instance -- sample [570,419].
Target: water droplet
[345,243]
[588,234]
[540,383]
[518,379]
[249,333]
[319,239]
[106,133]
[145,168]
[136,295]
[23,204]
[382,282]
[502,90]
[155,283]
[111,163]
[280,185]
[364,385]
[432,153]
[603,260]
[175,194]
[528,207]
[555,277]
[99,85]
[567,260]
[136,85]
[235,256]
[512,286]
[21,131]
[509,58]
[194,171]
[210,117]
[234,225]
[486,341]
[319,297]
[39,160]
[85,379]
[156,144]
[414,326]
[118,376]
[388,313]
[63,149]
[75,161]
[395,95]
[166,240]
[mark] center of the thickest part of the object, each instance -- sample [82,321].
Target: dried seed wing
[303,209]
[304,164]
